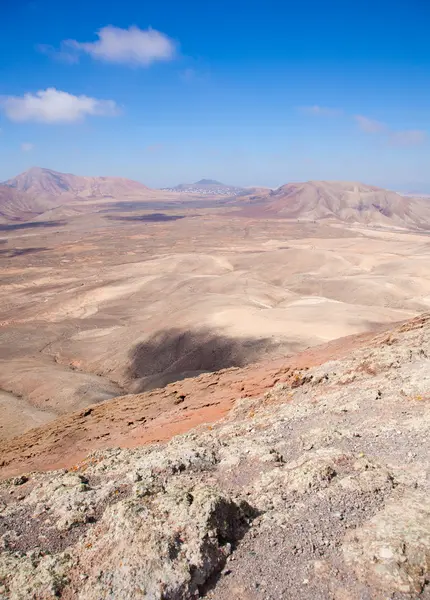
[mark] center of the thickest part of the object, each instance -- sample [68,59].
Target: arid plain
[104,298]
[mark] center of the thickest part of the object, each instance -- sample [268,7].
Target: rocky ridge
[316,488]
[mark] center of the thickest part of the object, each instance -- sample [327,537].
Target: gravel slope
[317,488]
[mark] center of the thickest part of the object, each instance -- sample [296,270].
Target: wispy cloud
[27,147]
[320,111]
[409,137]
[63,55]
[55,106]
[370,125]
[132,46]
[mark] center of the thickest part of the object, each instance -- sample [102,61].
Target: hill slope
[37,190]
[18,205]
[315,489]
[344,201]
[45,182]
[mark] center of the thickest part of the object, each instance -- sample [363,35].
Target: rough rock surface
[156,416]
[316,489]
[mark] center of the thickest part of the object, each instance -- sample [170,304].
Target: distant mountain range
[40,193]
[39,190]
[208,186]
[415,194]
[44,181]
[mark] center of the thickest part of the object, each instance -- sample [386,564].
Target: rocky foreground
[316,489]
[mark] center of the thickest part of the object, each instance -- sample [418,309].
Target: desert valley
[112,288]
[214,300]
[129,315]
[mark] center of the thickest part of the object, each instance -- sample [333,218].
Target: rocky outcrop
[315,488]
[156,416]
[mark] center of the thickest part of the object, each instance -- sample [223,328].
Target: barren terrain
[128,297]
[223,385]
[316,488]
[346,201]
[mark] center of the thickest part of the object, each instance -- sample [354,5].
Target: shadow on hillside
[154,217]
[173,355]
[35,225]
[13,252]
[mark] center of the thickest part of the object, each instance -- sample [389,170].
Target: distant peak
[34,170]
[38,172]
[208,182]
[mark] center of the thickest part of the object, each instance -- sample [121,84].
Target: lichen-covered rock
[165,546]
[392,550]
[316,491]
[161,546]
[33,576]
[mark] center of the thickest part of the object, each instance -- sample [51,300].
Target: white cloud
[369,125]
[410,137]
[27,147]
[55,106]
[132,46]
[320,111]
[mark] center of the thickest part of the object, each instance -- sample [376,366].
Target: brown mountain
[345,201]
[37,190]
[20,206]
[38,181]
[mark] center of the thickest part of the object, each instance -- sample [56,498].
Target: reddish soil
[157,416]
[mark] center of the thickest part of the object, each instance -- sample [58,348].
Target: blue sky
[255,92]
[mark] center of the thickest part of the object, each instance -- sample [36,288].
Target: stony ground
[316,489]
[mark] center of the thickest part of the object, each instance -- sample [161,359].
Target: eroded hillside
[316,488]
